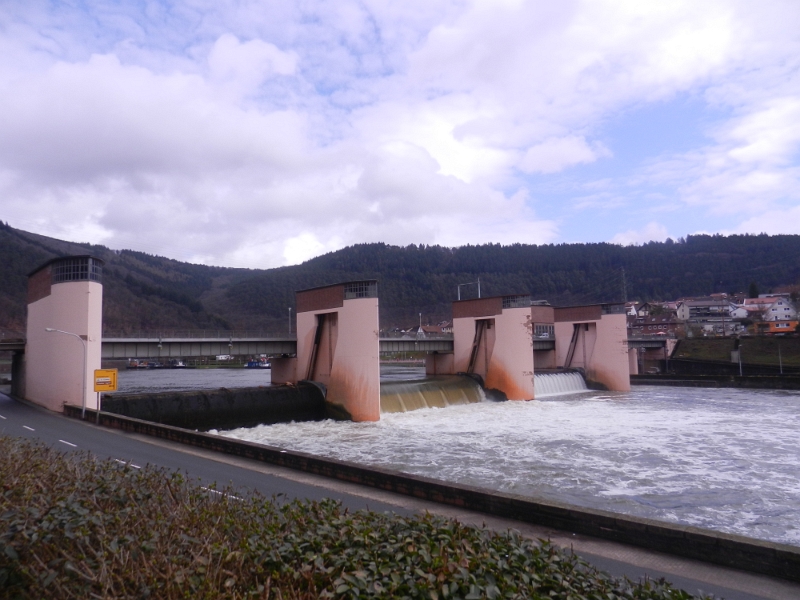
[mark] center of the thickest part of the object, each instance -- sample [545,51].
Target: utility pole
[470,283]
[740,360]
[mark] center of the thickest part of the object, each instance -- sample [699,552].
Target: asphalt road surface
[19,419]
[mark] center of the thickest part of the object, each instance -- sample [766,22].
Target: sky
[263,133]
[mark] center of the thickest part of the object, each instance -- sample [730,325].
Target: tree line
[143,291]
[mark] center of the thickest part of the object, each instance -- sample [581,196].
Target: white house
[781,309]
[747,312]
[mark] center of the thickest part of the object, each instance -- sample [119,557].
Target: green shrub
[76,527]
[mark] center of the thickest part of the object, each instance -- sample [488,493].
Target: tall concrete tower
[65,327]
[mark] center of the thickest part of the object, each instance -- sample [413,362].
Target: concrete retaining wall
[223,408]
[733,551]
[686,366]
[766,382]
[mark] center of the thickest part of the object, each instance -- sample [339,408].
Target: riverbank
[436,554]
[738,552]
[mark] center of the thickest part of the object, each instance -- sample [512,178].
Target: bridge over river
[215,343]
[182,344]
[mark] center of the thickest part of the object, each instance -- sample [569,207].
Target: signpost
[105,380]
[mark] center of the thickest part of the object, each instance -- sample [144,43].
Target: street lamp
[83,374]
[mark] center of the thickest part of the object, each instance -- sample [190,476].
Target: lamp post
[740,359]
[83,374]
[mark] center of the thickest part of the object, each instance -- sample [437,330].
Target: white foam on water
[717,458]
[547,385]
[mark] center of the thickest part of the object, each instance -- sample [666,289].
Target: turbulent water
[718,458]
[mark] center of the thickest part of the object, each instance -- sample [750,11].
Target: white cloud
[652,232]
[779,220]
[242,67]
[256,135]
[556,154]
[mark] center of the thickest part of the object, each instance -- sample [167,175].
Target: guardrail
[400,335]
[196,334]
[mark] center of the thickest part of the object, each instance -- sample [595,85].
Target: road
[18,419]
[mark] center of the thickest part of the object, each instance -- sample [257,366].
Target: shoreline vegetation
[77,527]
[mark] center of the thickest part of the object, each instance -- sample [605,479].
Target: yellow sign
[105,380]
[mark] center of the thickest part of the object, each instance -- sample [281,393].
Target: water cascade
[556,384]
[403,396]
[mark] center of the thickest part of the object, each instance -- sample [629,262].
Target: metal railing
[215,334]
[412,335]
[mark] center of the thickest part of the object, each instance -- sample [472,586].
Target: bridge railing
[219,334]
[399,335]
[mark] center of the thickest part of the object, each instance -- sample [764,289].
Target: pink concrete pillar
[633,361]
[65,296]
[492,338]
[439,364]
[338,345]
[594,338]
[283,370]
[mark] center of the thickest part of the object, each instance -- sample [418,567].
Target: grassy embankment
[755,350]
[75,527]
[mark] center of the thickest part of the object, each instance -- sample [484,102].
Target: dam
[721,459]
[498,342]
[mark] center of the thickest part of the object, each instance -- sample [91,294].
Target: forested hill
[425,278]
[147,292]
[139,291]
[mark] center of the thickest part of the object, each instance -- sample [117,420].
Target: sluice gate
[558,384]
[434,392]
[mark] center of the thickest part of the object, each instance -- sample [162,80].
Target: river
[723,459]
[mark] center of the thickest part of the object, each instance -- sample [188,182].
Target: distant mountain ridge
[144,292]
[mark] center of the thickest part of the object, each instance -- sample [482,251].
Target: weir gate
[498,341]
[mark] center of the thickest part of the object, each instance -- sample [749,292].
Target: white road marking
[130,464]
[2,417]
[68,443]
[232,497]
[29,428]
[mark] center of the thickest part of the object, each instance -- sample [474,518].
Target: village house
[781,309]
[659,325]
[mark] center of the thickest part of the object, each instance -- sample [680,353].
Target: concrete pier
[492,338]
[337,346]
[594,338]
